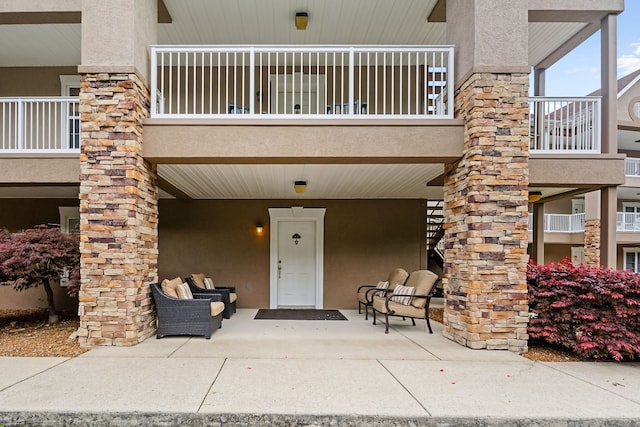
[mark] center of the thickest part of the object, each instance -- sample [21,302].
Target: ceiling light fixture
[300,186]
[535,196]
[302,19]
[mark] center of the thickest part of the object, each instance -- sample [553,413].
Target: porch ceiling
[399,22]
[275,181]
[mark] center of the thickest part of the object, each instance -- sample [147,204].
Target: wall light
[300,186]
[259,229]
[535,196]
[302,19]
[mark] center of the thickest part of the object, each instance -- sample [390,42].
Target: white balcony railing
[561,223]
[39,125]
[628,221]
[574,223]
[324,82]
[632,167]
[564,125]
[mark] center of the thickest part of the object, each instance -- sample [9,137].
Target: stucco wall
[33,81]
[364,240]
[17,214]
[556,253]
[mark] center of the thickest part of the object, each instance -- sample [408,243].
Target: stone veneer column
[486,208]
[592,242]
[118,213]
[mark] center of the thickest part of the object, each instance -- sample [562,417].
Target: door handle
[279,267]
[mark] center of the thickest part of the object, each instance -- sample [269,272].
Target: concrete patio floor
[343,373]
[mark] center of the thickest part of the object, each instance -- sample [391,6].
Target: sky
[578,73]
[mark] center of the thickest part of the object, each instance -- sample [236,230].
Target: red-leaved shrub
[593,311]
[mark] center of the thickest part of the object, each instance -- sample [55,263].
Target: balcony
[628,222]
[39,125]
[574,223]
[342,82]
[560,223]
[632,167]
[293,82]
[564,125]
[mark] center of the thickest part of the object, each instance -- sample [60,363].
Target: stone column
[592,242]
[118,213]
[486,209]
[592,228]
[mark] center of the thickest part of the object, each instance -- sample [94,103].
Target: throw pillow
[169,286]
[406,292]
[198,280]
[383,286]
[208,283]
[183,291]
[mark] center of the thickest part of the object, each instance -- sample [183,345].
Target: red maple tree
[39,256]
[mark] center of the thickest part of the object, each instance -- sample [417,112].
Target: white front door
[296,264]
[296,257]
[298,89]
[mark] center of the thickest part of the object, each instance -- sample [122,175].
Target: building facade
[572,224]
[176,128]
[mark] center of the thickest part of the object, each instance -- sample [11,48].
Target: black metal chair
[397,276]
[424,283]
[198,316]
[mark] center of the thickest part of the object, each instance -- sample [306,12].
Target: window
[632,259]
[70,86]
[69,219]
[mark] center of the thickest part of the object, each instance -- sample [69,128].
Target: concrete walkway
[342,373]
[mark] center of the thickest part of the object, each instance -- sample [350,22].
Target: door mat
[299,314]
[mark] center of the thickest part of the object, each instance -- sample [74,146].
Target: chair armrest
[215,291]
[207,296]
[191,308]
[226,288]
[388,299]
[365,286]
[222,294]
[374,291]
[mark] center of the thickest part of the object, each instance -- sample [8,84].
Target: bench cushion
[397,277]
[423,281]
[217,307]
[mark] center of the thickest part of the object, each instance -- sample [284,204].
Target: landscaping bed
[25,333]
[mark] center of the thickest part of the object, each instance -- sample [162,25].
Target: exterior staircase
[435,224]
[434,234]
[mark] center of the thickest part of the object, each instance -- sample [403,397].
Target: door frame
[296,213]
